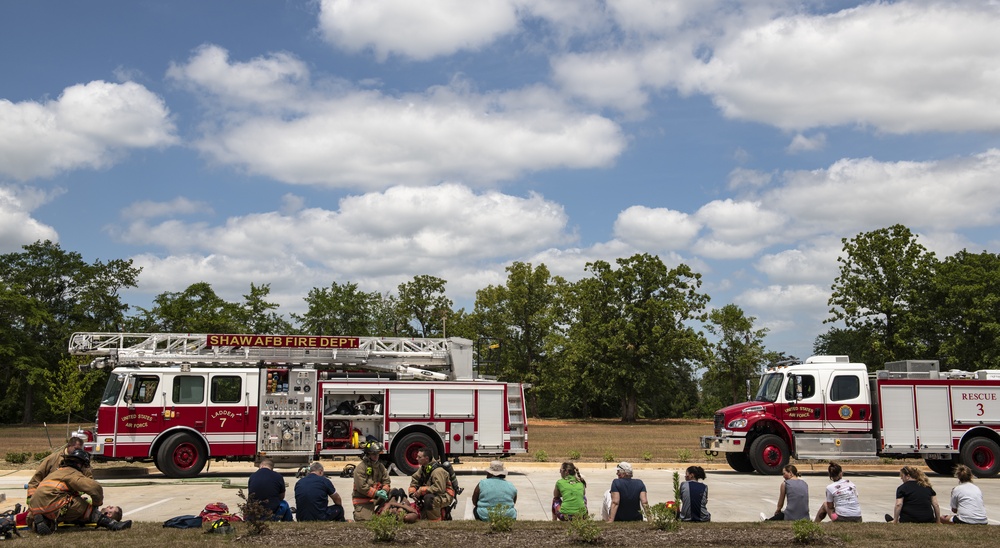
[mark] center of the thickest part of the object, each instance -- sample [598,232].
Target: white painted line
[146,506]
[467,515]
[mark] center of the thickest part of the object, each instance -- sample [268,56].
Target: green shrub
[17,457]
[255,515]
[500,522]
[683,455]
[663,517]
[384,526]
[584,529]
[41,456]
[806,531]
[541,456]
[647,456]
[609,456]
[709,457]
[574,455]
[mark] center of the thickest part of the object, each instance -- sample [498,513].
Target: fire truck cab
[180,400]
[830,408]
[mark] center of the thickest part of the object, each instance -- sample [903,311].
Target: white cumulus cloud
[89,126]
[418,30]
[369,140]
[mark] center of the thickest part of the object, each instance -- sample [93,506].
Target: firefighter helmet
[77,458]
[371,447]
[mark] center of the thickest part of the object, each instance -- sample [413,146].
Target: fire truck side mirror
[128,393]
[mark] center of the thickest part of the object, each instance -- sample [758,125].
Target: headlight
[737,423]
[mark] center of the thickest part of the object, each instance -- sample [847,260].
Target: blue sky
[301,143]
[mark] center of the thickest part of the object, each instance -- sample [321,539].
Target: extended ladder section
[515,414]
[426,359]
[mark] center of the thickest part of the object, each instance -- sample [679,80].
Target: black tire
[945,467]
[982,456]
[740,462]
[404,451]
[181,456]
[769,454]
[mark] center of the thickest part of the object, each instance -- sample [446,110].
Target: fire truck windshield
[770,387]
[113,389]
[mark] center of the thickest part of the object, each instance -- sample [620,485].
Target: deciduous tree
[423,300]
[631,325]
[883,274]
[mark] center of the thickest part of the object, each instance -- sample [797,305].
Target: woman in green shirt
[569,500]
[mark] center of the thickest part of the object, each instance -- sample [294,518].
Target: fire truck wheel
[180,456]
[982,456]
[945,467]
[739,462]
[769,454]
[404,451]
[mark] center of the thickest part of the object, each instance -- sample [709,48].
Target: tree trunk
[629,407]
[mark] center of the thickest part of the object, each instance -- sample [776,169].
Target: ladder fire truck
[180,399]
[829,408]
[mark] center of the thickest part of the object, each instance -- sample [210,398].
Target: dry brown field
[668,440]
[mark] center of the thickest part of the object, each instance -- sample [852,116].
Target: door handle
[864,414]
[816,412]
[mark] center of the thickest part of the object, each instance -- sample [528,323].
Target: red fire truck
[180,399]
[829,408]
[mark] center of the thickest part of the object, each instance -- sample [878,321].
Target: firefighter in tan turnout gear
[53,461]
[68,495]
[431,486]
[371,482]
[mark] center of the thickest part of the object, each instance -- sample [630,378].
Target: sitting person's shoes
[888,517]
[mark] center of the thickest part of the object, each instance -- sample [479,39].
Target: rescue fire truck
[179,400]
[829,408]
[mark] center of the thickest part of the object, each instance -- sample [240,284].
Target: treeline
[627,340]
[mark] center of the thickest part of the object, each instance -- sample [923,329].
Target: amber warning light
[284,341]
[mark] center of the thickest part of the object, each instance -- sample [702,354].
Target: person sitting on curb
[268,488]
[841,503]
[916,501]
[694,496]
[311,493]
[628,496]
[495,490]
[796,491]
[569,498]
[966,500]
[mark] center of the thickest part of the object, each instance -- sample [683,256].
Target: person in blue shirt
[311,494]
[628,496]
[268,487]
[694,495]
[493,491]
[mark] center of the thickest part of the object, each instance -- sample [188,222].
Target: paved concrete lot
[732,496]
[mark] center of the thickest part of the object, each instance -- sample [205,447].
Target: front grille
[719,419]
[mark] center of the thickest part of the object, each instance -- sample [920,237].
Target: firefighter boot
[105,521]
[43,525]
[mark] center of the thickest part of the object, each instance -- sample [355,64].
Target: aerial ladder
[408,358]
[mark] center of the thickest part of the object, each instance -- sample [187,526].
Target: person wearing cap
[53,461]
[628,496]
[68,495]
[371,482]
[311,493]
[493,491]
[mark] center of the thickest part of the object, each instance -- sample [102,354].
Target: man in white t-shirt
[841,502]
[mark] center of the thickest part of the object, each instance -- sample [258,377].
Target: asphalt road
[732,496]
